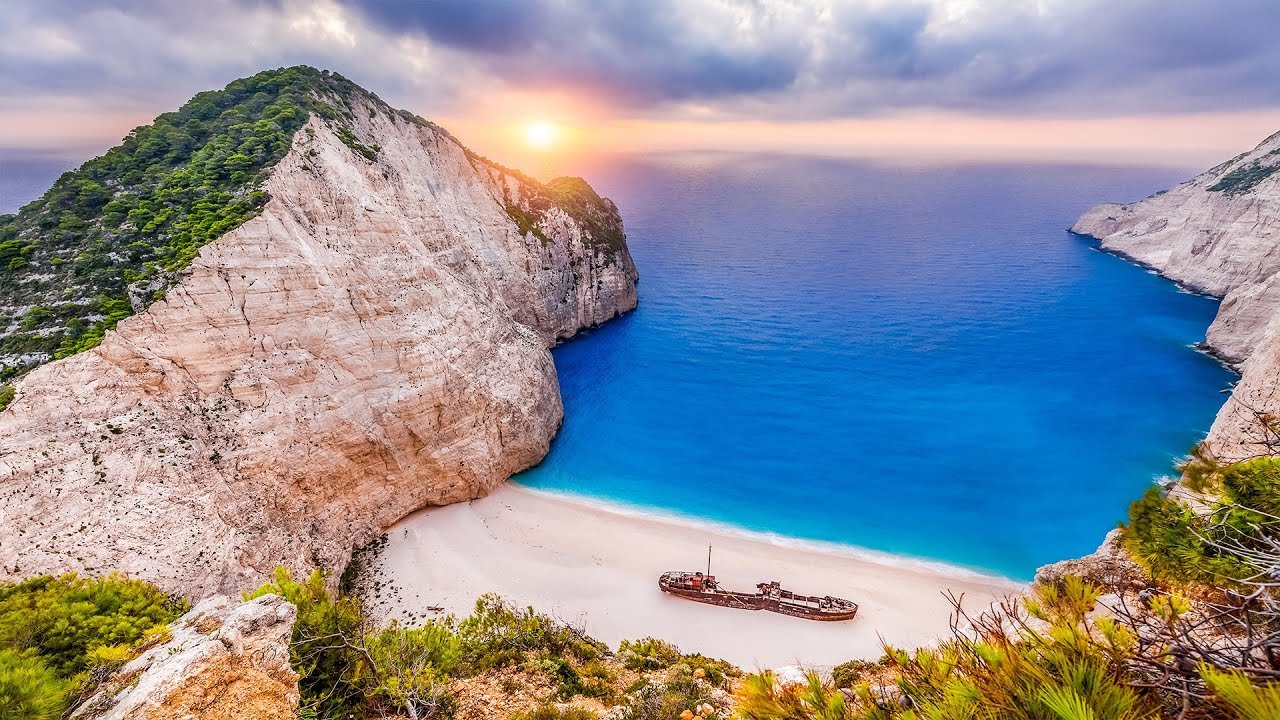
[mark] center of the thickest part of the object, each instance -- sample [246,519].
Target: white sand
[597,566]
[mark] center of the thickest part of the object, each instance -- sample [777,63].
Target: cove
[915,360]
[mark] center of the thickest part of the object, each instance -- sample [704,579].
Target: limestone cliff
[375,340]
[1218,233]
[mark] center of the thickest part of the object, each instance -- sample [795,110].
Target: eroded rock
[225,661]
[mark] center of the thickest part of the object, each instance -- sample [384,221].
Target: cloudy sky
[1095,79]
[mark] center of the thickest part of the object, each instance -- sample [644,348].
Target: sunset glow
[541,135]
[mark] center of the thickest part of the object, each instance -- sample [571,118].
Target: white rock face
[1226,243]
[376,341]
[225,661]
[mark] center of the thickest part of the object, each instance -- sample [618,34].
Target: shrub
[1177,543]
[1060,664]
[497,633]
[408,669]
[648,654]
[762,697]
[323,651]
[846,675]
[63,619]
[671,699]
[1236,693]
[30,689]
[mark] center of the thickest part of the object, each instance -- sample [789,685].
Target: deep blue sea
[913,360]
[918,360]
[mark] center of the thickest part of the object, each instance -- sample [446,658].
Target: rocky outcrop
[1218,233]
[1109,568]
[374,342]
[224,661]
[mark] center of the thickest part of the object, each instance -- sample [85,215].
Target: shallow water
[913,360]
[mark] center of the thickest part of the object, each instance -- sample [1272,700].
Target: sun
[541,134]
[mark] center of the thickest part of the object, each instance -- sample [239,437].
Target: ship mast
[708,559]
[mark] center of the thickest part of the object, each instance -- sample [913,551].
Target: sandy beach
[597,565]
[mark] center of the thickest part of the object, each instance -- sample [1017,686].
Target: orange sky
[1184,141]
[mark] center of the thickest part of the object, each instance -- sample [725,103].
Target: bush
[63,619]
[323,651]
[59,636]
[846,675]
[762,697]
[30,689]
[648,654]
[348,669]
[1179,544]
[1060,665]
[409,669]
[671,699]
[497,634]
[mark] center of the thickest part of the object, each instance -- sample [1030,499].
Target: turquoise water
[913,360]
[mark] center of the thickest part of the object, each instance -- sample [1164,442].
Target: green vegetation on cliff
[107,239]
[1245,177]
[59,635]
[529,204]
[349,667]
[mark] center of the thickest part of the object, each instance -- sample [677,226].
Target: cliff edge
[1218,233]
[373,339]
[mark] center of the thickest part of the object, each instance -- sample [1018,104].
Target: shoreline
[595,565]
[727,529]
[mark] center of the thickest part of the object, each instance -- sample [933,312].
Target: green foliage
[30,689]
[323,650]
[1071,668]
[762,697]
[64,619]
[529,203]
[1064,666]
[133,217]
[1177,543]
[670,699]
[846,675]
[1245,177]
[59,635]
[347,668]
[348,138]
[1238,695]
[408,668]
[7,393]
[497,633]
[648,654]
[597,216]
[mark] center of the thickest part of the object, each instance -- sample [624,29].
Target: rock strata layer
[1218,233]
[374,342]
[224,661]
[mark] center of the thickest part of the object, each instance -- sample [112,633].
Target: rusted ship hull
[771,598]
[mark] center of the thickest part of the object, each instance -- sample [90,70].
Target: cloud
[767,59]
